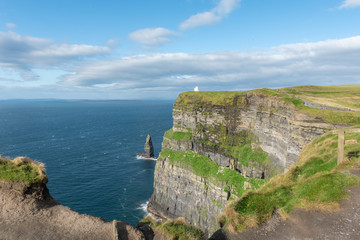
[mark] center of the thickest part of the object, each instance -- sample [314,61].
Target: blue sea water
[89,149]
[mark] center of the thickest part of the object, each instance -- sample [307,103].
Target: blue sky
[156,49]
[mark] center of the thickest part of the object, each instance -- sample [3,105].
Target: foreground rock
[27,211]
[149,148]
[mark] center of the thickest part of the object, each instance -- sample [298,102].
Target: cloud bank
[23,53]
[213,16]
[326,62]
[166,74]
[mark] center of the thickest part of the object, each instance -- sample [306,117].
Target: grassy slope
[329,116]
[314,182]
[344,96]
[22,169]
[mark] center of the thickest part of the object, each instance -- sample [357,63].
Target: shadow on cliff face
[218,235]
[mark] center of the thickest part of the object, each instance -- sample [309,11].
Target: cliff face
[180,192]
[252,133]
[279,129]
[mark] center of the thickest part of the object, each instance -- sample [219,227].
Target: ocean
[89,150]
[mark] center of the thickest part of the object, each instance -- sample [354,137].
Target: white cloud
[165,75]
[10,25]
[350,4]
[200,19]
[23,53]
[213,16]
[152,36]
[325,62]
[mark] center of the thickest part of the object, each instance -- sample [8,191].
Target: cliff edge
[28,211]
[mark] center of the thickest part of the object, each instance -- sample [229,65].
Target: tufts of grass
[205,167]
[177,229]
[22,169]
[177,135]
[314,182]
[246,153]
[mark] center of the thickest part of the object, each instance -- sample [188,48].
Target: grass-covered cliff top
[346,96]
[22,169]
[215,98]
[314,182]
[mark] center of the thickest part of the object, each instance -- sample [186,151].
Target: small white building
[196,89]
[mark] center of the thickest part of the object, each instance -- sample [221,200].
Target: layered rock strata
[250,132]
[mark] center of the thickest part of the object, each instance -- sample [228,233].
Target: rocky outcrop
[252,132]
[27,211]
[149,148]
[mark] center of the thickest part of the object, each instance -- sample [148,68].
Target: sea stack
[149,148]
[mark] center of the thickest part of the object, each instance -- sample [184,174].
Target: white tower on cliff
[196,89]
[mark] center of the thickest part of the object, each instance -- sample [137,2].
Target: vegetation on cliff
[176,229]
[22,169]
[177,135]
[314,182]
[205,167]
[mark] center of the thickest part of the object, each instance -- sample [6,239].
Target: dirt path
[302,224]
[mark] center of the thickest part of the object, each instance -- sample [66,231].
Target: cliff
[27,210]
[249,136]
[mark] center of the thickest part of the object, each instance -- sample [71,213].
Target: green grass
[211,98]
[178,135]
[205,167]
[177,229]
[314,182]
[21,169]
[245,154]
[231,143]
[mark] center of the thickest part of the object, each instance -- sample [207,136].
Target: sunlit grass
[22,169]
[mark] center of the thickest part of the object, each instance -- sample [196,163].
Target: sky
[112,49]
